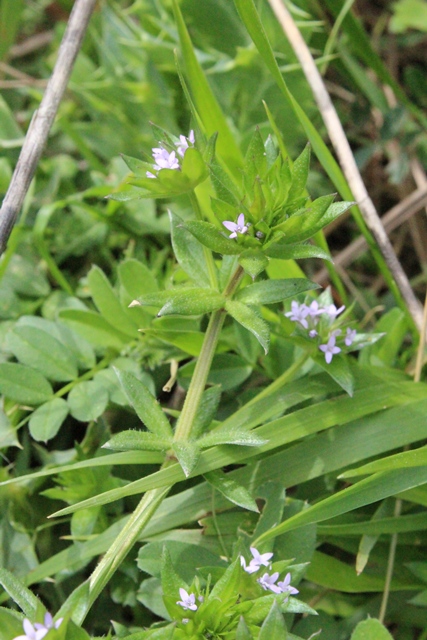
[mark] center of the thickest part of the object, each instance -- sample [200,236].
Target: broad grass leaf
[403,460]
[24,384]
[38,349]
[47,419]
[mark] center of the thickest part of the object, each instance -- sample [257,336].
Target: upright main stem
[81,602]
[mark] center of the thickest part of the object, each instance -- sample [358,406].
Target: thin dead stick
[396,216]
[345,157]
[43,118]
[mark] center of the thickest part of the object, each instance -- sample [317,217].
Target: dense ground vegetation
[308,423]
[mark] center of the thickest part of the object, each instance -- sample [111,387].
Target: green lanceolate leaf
[24,384]
[146,406]
[208,234]
[38,349]
[233,435]
[253,262]
[283,251]
[188,454]
[271,291]
[171,584]
[338,369]
[108,303]
[46,420]
[251,321]
[136,278]
[189,252]
[24,598]
[299,174]
[236,493]
[94,328]
[137,441]
[188,302]
[274,627]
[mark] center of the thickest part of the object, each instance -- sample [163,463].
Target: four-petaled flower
[188,600]
[332,311]
[163,160]
[329,349]
[267,582]
[258,560]
[184,143]
[298,313]
[38,630]
[350,335]
[285,585]
[236,227]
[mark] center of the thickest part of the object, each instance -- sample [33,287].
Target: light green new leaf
[236,493]
[137,441]
[189,252]
[108,303]
[23,384]
[251,321]
[299,174]
[87,400]
[370,629]
[274,627]
[46,420]
[146,406]
[171,584]
[242,631]
[271,291]
[38,349]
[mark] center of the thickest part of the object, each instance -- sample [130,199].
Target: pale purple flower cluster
[309,316]
[37,631]
[236,227]
[163,159]
[267,581]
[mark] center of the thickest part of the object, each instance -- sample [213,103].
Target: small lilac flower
[350,335]
[314,309]
[298,313]
[267,582]
[285,585]
[188,600]
[239,227]
[312,333]
[38,630]
[163,160]
[249,568]
[329,349]
[184,143]
[332,311]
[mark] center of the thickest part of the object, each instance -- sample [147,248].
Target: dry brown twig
[43,118]
[345,156]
